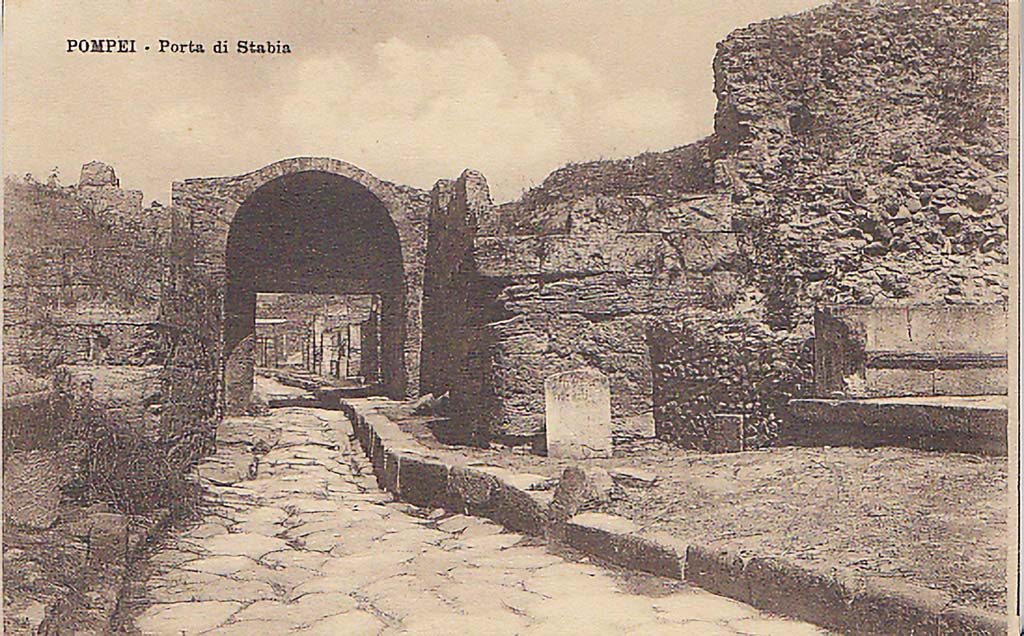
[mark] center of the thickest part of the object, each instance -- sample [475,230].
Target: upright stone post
[578,414]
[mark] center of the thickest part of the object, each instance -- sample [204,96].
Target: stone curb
[408,470]
[832,599]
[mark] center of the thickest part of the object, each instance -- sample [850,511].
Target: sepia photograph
[510,317]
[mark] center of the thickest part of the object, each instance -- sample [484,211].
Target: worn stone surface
[359,565]
[577,414]
[31,488]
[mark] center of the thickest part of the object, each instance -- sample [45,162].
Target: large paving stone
[354,623]
[222,565]
[217,588]
[190,618]
[244,544]
[698,605]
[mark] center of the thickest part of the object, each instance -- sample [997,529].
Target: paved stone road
[311,546]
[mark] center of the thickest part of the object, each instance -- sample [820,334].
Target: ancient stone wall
[448,310]
[868,142]
[865,147]
[861,149]
[582,293]
[708,362]
[83,268]
[191,317]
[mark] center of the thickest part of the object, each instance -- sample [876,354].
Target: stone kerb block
[422,481]
[618,540]
[577,414]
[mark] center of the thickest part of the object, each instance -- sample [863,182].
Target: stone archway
[308,225]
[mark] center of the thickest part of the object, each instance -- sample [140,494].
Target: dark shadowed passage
[311,233]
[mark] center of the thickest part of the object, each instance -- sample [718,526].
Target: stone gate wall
[583,293]
[861,151]
[449,280]
[209,205]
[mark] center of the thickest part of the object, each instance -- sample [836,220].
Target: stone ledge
[408,470]
[829,598]
[619,541]
[960,424]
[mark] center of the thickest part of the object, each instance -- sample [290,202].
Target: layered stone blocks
[911,350]
[581,291]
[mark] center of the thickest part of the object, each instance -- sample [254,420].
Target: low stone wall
[952,424]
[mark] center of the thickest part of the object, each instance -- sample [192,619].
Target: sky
[412,91]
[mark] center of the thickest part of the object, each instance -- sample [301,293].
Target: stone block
[905,351]
[972,621]
[517,509]
[785,588]
[726,434]
[388,478]
[616,540]
[703,214]
[894,607]
[127,391]
[633,252]
[991,381]
[422,481]
[376,453]
[705,251]
[507,255]
[883,382]
[577,414]
[717,570]
[31,487]
[530,481]
[470,490]
[959,424]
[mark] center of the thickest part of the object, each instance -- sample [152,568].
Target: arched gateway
[309,226]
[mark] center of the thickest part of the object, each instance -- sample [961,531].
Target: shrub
[120,465]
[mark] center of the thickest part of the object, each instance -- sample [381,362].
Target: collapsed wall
[867,142]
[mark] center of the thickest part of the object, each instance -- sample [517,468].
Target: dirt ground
[930,518]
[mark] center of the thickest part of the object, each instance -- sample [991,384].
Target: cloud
[419,113]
